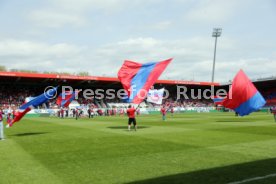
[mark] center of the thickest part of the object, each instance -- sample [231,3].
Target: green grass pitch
[187,148]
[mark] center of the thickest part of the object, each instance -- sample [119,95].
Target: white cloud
[59,13]
[214,11]
[85,5]
[94,46]
[17,48]
[22,54]
[192,58]
[254,67]
[54,19]
[162,25]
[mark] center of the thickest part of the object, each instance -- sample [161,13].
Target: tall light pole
[216,34]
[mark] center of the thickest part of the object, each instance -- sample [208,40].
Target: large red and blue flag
[137,78]
[243,96]
[65,98]
[35,102]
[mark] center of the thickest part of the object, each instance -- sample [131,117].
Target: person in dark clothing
[77,114]
[89,113]
[74,112]
[66,113]
[273,110]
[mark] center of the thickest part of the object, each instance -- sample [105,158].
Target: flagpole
[2,137]
[138,106]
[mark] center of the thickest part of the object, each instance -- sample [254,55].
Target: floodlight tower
[216,34]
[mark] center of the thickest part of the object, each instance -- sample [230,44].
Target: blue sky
[98,35]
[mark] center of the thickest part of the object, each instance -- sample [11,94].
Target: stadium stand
[16,86]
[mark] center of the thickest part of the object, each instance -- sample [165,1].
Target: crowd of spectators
[16,97]
[270,96]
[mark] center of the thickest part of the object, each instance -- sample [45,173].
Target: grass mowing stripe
[260,149]
[191,147]
[19,166]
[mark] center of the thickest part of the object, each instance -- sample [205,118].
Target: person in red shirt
[131,117]
[62,113]
[1,115]
[163,112]
[9,118]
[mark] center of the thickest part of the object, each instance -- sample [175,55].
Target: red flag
[137,78]
[243,96]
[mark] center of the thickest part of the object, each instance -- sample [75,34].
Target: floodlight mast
[216,34]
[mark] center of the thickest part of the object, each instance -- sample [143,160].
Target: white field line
[253,179]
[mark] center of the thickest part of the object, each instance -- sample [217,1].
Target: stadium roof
[94,78]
